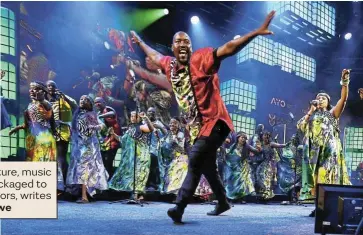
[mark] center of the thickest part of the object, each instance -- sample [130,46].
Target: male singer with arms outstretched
[195,83]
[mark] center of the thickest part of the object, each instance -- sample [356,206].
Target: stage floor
[104,218]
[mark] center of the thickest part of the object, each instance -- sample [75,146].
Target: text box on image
[28,190]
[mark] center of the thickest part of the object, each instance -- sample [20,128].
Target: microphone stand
[294,199]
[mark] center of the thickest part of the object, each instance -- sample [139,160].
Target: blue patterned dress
[86,166]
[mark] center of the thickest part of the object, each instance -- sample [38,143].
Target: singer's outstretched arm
[339,107]
[158,80]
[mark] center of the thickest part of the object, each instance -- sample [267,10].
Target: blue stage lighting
[194,20]
[347,36]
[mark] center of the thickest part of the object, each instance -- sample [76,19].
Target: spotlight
[237,36]
[166,11]
[107,45]
[347,36]
[194,20]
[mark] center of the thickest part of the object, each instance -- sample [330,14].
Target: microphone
[291,115]
[132,73]
[314,102]
[276,137]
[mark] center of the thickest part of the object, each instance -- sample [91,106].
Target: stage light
[347,36]
[166,11]
[194,20]
[237,36]
[107,45]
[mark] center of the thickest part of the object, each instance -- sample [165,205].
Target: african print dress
[40,143]
[86,165]
[175,157]
[323,160]
[255,159]
[265,172]
[289,169]
[134,141]
[238,172]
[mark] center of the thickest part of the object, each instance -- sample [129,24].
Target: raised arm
[253,149]
[111,113]
[159,80]
[339,107]
[70,101]
[22,126]
[148,126]
[151,53]
[276,145]
[234,46]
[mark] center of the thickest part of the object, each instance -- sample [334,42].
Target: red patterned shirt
[203,68]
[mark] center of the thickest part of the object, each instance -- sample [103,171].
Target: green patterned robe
[238,172]
[323,160]
[123,178]
[290,158]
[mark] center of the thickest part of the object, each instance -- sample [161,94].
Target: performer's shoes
[219,209]
[312,214]
[176,214]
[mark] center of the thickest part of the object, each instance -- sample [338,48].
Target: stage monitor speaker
[338,209]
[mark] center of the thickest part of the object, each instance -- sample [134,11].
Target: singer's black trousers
[62,149]
[202,160]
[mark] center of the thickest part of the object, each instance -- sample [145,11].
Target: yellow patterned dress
[323,161]
[176,159]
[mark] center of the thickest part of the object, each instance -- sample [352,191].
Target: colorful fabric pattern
[123,178]
[255,159]
[286,177]
[323,160]
[86,165]
[203,190]
[63,116]
[238,173]
[40,143]
[176,160]
[182,89]
[265,174]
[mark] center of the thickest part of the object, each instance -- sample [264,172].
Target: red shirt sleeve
[165,63]
[210,61]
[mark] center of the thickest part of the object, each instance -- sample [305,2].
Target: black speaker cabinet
[338,209]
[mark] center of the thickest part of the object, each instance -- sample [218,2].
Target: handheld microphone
[314,102]
[291,115]
[132,73]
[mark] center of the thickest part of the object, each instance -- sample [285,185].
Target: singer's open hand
[135,38]
[59,92]
[142,114]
